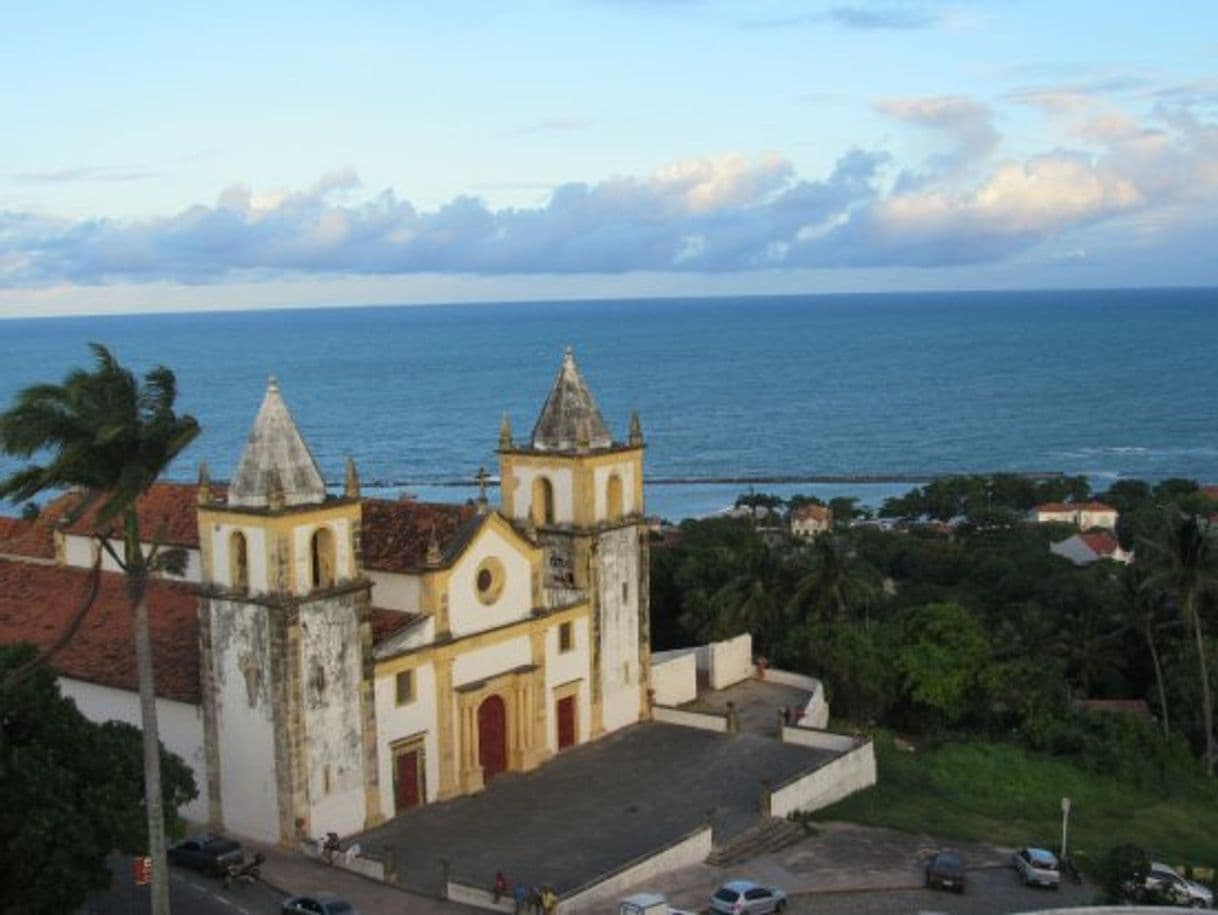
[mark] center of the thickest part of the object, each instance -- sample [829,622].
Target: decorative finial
[351,481]
[275,498]
[636,430]
[433,548]
[203,495]
[482,477]
[505,434]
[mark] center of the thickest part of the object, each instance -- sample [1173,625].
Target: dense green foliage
[71,791]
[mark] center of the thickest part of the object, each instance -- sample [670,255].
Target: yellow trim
[583,478]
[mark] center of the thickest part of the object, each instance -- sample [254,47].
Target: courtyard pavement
[757,704]
[591,809]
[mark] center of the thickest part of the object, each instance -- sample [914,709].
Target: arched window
[543,501]
[238,563]
[322,558]
[613,498]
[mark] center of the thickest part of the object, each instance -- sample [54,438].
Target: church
[328,661]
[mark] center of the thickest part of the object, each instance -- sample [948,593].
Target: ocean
[1105,383]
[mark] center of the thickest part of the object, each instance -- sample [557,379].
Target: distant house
[1084,549]
[1084,515]
[1210,493]
[810,520]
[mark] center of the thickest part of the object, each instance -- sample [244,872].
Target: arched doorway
[492,736]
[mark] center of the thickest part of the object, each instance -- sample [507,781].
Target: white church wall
[78,552]
[563,668]
[344,568]
[618,553]
[179,724]
[466,612]
[395,591]
[600,485]
[560,483]
[492,660]
[255,556]
[245,722]
[399,722]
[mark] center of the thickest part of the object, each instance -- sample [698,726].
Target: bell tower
[581,492]
[289,728]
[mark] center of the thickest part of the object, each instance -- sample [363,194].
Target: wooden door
[566,722]
[408,787]
[492,736]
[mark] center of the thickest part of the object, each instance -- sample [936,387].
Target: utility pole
[1065,820]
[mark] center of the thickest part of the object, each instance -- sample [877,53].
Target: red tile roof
[1074,507]
[812,513]
[396,534]
[1100,542]
[27,538]
[171,504]
[389,622]
[1210,492]
[37,601]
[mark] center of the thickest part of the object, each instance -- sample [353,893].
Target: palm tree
[1142,608]
[835,584]
[1183,559]
[749,600]
[109,435]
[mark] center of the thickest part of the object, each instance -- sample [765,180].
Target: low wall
[847,774]
[731,661]
[815,712]
[820,739]
[479,898]
[351,860]
[707,721]
[691,848]
[674,679]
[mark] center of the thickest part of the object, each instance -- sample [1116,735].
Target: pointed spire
[351,480]
[203,495]
[570,413]
[482,477]
[276,449]
[505,434]
[636,431]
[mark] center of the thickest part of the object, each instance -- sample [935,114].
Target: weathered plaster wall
[255,556]
[245,723]
[600,485]
[179,724]
[618,555]
[344,561]
[467,613]
[561,483]
[562,669]
[395,591]
[401,722]
[484,663]
[332,666]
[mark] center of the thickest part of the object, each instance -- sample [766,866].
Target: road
[190,893]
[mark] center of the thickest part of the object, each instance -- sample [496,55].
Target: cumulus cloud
[1139,180]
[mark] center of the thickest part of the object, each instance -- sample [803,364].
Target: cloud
[84,173]
[968,123]
[857,16]
[553,125]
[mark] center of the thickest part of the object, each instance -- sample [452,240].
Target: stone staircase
[770,835]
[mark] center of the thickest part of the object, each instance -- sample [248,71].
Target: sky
[162,157]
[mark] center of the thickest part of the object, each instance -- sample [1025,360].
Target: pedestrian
[534,900]
[519,897]
[501,885]
[549,899]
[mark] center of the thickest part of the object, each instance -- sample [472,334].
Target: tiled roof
[37,601]
[1074,507]
[812,513]
[1100,542]
[27,538]
[396,535]
[171,504]
[1210,492]
[388,622]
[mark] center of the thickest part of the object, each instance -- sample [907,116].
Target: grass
[1002,793]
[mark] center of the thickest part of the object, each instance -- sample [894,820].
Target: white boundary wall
[351,860]
[707,721]
[821,740]
[727,662]
[479,898]
[675,679]
[691,849]
[830,783]
[816,710]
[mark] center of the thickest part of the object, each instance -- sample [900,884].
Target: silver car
[1165,881]
[744,897]
[1038,867]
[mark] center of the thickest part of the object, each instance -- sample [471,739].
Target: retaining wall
[847,774]
[478,898]
[707,721]
[674,679]
[815,712]
[820,739]
[352,860]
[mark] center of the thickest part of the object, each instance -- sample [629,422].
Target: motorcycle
[244,873]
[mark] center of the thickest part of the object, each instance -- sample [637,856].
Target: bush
[1122,874]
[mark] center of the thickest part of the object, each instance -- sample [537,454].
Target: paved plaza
[591,809]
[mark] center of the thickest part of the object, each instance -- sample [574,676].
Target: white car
[1038,867]
[1164,880]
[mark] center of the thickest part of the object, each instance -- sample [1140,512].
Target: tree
[942,654]
[111,436]
[70,792]
[1184,564]
[836,583]
[1142,609]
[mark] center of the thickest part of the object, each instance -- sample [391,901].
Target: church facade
[355,657]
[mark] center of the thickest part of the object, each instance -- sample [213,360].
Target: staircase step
[770,835]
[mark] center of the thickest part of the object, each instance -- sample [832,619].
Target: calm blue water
[1103,383]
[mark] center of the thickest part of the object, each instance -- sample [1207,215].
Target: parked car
[744,897]
[317,904]
[1038,867]
[945,871]
[207,853]
[1163,881]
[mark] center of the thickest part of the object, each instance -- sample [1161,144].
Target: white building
[1086,548]
[1083,515]
[809,520]
[326,662]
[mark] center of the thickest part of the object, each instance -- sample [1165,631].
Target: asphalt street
[190,893]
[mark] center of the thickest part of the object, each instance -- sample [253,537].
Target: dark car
[207,853]
[945,871]
[317,904]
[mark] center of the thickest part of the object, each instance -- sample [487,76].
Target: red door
[409,773]
[492,737]
[566,722]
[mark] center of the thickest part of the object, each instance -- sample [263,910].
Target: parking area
[591,809]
